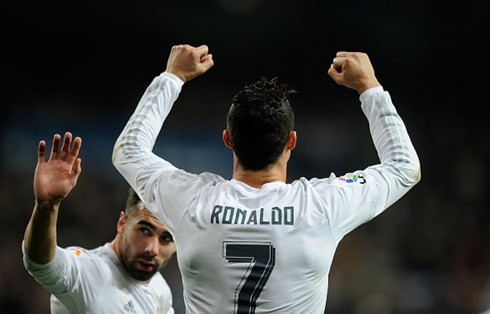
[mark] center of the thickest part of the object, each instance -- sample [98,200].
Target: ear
[227,139]
[121,223]
[291,143]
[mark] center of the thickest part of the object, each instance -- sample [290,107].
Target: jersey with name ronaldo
[268,250]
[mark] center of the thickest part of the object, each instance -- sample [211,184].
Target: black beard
[134,271]
[139,274]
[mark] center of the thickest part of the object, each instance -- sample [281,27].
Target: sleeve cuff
[369,92]
[32,265]
[174,78]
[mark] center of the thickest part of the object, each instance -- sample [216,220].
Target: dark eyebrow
[146,223]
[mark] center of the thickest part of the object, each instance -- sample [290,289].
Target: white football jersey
[268,250]
[94,281]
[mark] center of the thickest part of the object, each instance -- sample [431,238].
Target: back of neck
[257,179]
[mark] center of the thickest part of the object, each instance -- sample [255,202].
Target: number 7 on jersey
[260,258]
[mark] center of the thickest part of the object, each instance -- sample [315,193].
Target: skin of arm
[53,181]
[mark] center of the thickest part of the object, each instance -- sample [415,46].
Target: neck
[115,245]
[273,173]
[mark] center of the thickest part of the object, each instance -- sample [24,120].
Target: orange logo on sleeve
[76,252]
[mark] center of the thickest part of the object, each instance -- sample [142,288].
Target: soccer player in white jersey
[255,243]
[119,277]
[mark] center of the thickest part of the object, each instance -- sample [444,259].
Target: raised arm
[354,70]
[378,186]
[53,181]
[132,155]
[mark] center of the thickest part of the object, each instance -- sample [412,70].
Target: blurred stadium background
[81,66]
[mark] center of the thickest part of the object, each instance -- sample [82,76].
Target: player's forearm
[40,235]
[133,149]
[390,137]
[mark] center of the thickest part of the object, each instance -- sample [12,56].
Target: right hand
[353,70]
[188,62]
[54,179]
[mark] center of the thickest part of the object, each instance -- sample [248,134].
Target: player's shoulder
[98,255]
[209,177]
[187,178]
[78,251]
[312,182]
[356,178]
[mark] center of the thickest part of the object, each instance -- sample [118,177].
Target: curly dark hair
[259,122]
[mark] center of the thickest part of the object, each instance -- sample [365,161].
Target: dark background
[81,66]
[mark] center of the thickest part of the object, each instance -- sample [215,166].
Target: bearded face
[145,244]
